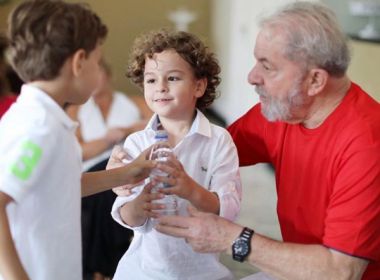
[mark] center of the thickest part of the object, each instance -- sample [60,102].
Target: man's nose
[254,78]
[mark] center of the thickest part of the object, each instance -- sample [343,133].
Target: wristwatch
[242,245]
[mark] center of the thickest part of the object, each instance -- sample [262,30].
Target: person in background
[104,120]
[41,180]
[6,98]
[321,132]
[179,76]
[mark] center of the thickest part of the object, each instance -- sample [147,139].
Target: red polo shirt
[327,178]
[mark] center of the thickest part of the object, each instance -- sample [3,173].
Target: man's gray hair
[314,38]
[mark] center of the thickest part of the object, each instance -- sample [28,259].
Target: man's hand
[205,232]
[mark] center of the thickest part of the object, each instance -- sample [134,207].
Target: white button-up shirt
[209,156]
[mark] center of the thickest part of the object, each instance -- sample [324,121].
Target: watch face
[241,247]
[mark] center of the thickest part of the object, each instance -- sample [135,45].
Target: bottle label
[161,152]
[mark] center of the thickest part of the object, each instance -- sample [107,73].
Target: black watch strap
[242,245]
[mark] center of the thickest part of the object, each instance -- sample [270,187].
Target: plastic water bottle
[161,152]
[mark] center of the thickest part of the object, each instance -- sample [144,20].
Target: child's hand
[134,170]
[184,186]
[181,183]
[118,158]
[143,204]
[140,168]
[125,190]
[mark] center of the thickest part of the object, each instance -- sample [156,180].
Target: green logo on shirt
[29,158]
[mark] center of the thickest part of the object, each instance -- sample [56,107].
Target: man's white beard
[281,109]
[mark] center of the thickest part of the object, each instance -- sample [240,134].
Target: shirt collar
[201,125]
[32,94]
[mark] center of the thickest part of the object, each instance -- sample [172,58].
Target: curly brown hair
[43,34]
[188,46]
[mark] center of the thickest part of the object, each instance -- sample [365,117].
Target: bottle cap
[161,135]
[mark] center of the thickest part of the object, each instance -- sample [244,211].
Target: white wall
[234,29]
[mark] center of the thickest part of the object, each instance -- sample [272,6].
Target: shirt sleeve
[225,180]
[115,212]
[131,146]
[249,135]
[353,215]
[25,158]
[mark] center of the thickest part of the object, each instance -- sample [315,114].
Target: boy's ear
[77,61]
[201,85]
[317,81]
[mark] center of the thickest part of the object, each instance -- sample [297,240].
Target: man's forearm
[208,233]
[298,261]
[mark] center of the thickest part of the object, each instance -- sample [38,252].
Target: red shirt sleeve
[353,215]
[248,133]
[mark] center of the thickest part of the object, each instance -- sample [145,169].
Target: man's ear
[317,81]
[77,62]
[201,85]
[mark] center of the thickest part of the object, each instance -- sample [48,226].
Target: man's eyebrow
[262,59]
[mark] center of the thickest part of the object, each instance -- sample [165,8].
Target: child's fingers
[117,156]
[170,180]
[169,190]
[150,209]
[122,191]
[126,189]
[146,154]
[171,163]
[148,188]
[148,195]
[164,166]
[153,196]
[153,206]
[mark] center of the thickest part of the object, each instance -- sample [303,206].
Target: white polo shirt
[123,113]
[40,168]
[209,156]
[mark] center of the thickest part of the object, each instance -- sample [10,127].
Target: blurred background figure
[6,97]
[105,120]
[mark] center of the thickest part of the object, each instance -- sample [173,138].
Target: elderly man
[321,132]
